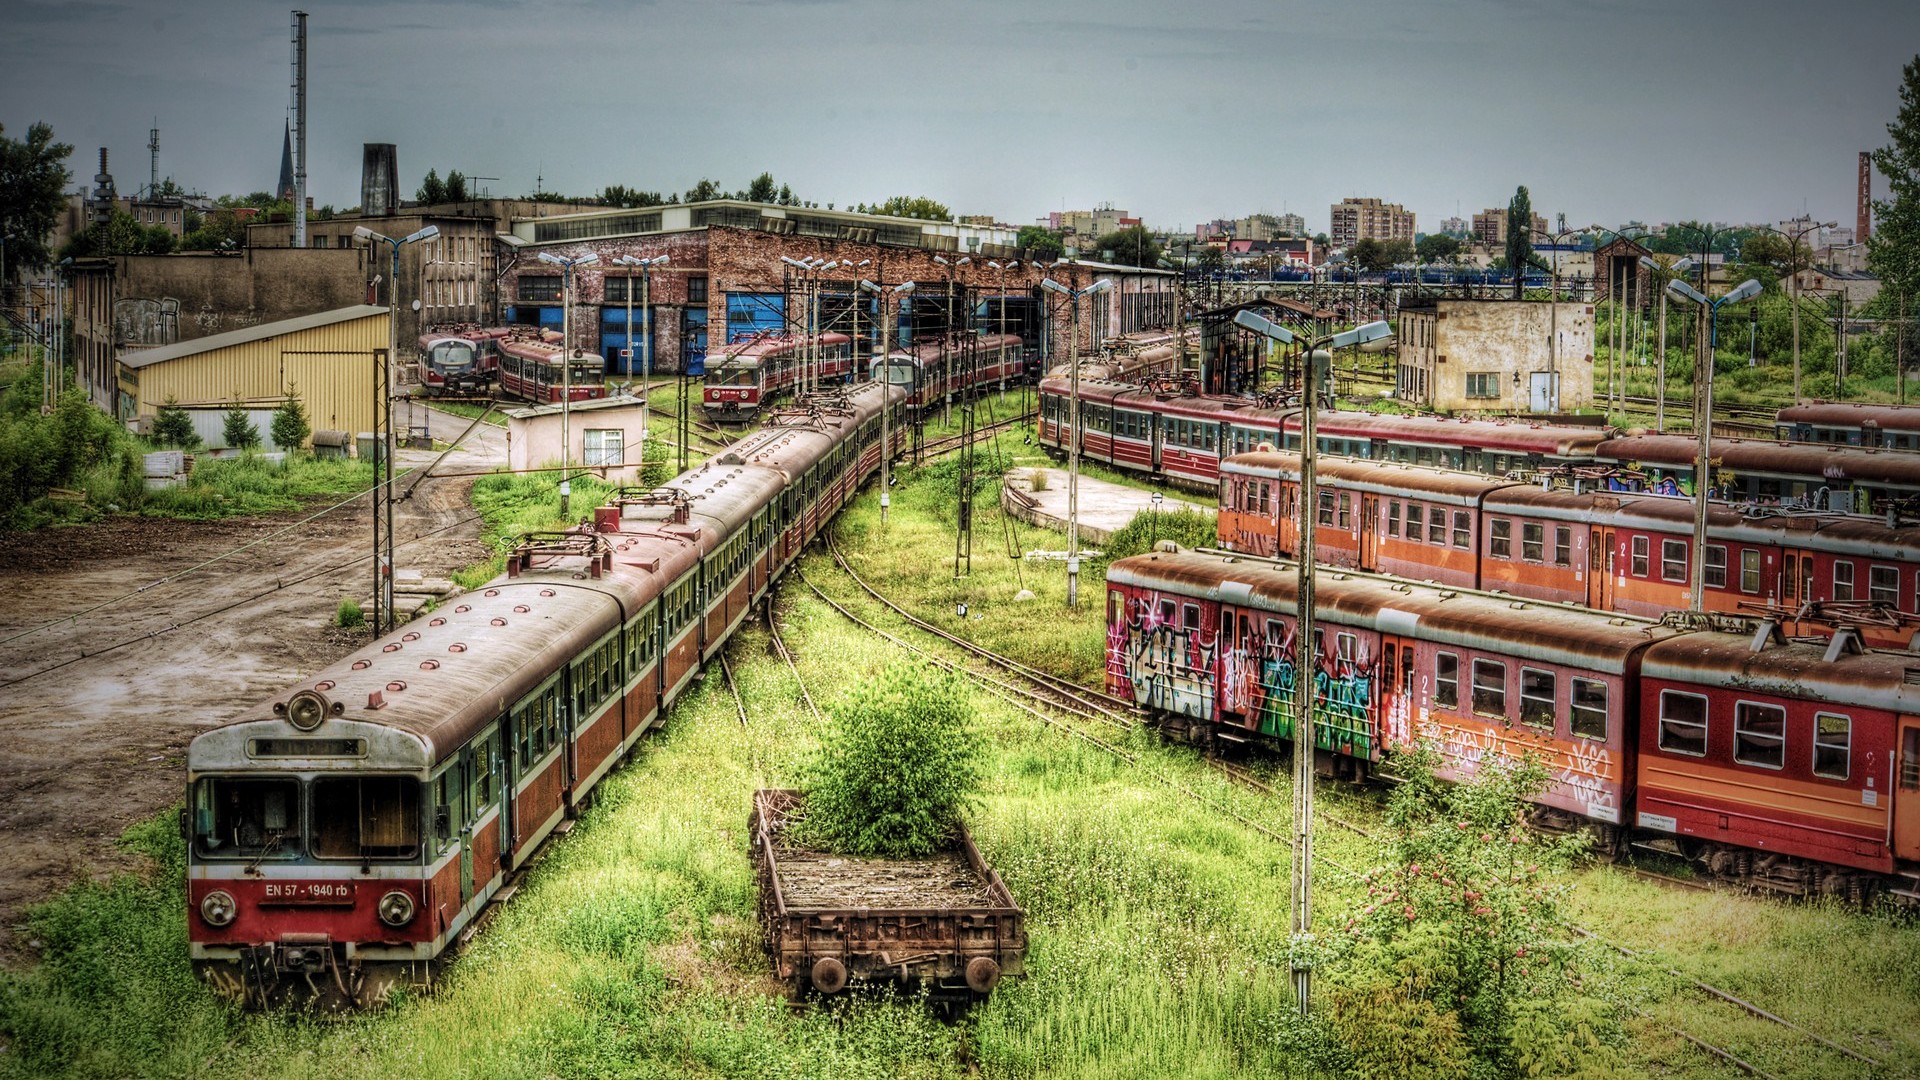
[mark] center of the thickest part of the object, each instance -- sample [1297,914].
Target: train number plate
[308,892]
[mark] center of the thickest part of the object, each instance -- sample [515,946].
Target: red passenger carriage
[750,375]
[460,361]
[530,368]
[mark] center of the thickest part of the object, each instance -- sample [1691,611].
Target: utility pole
[887,383]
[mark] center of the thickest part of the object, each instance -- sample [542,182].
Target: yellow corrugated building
[330,360]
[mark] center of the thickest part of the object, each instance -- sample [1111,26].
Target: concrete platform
[1104,508]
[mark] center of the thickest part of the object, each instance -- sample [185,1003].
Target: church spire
[285,192]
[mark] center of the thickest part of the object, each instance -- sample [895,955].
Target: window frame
[1575,708]
[1640,555]
[1500,538]
[1846,748]
[1837,564]
[1741,710]
[1552,698]
[1446,680]
[1705,723]
[1500,709]
[1667,560]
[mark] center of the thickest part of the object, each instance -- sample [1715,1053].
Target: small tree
[239,430]
[173,427]
[289,425]
[1437,248]
[432,190]
[1520,236]
[898,763]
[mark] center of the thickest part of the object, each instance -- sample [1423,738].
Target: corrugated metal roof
[148,357]
[589,405]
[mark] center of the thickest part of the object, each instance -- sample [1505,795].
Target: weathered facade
[1509,356]
[606,434]
[330,360]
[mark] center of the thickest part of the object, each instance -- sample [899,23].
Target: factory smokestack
[299,129]
[1863,222]
[379,179]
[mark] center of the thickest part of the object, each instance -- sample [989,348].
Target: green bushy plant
[289,426]
[239,430]
[173,427]
[349,616]
[899,762]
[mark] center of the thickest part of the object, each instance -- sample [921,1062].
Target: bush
[173,427]
[899,762]
[289,427]
[238,430]
[1038,477]
[1187,527]
[349,616]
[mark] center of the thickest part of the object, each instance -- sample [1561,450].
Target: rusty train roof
[1852,414]
[1546,632]
[1823,671]
[1838,464]
[1360,474]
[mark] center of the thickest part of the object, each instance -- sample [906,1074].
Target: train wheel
[829,975]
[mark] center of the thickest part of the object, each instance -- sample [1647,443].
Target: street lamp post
[1305,660]
[1073,426]
[1703,419]
[946,363]
[383,469]
[645,266]
[1003,268]
[1794,267]
[886,384]
[1663,272]
[567,266]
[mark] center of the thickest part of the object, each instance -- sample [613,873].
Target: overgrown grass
[513,504]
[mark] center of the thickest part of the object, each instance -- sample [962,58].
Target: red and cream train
[346,833]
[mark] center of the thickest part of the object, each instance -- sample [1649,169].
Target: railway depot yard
[1153,880]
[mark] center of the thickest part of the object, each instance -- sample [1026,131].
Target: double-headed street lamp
[1003,268]
[1795,246]
[567,266]
[1305,660]
[886,383]
[1073,426]
[645,266]
[946,366]
[383,411]
[1704,344]
[1663,271]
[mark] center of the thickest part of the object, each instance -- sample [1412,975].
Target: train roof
[1840,464]
[1359,474]
[755,349]
[1829,670]
[1547,632]
[1852,414]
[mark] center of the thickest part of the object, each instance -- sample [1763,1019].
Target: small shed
[606,434]
[330,360]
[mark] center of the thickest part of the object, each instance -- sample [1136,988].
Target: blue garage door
[749,314]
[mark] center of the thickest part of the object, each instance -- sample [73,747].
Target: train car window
[1790,578]
[1346,512]
[1462,530]
[1275,635]
[1842,579]
[486,753]
[1166,613]
[1325,514]
[1588,716]
[446,794]
[1716,570]
[1538,689]
[1436,526]
[1760,735]
[1190,617]
[1832,745]
[1391,653]
[1416,522]
[1533,541]
[1490,688]
[1446,680]
[1883,584]
[552,711]
[1500,540]
[1910,759]
[1562,546]
[1673,560]
[1393,517]
[1683,723]
[366,817]
[1750,570]
[1640,548]
[1345,643]
[235,819]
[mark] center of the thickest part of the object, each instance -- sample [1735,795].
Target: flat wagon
[945,922]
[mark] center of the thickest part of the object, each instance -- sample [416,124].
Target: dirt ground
[93,746]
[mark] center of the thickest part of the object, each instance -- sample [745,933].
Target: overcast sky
[1180,111]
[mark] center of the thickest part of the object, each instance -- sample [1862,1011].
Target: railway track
[953,442]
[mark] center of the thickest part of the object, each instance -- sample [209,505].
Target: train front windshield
[587,372]
[731,376]
[357,818]
[451,357]
[899,373]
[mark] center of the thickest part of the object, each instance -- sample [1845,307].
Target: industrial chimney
[379,180]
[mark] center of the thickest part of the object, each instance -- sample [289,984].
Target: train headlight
[306,709]
[396,909]
[217,908]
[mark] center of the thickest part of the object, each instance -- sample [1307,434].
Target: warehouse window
[1537,691]
[1640,545]
[538,289]
[1589,719]
[1842,580]
[1483,384]
[1832,745]
[1750,570]
[1490,688]
[1673,560]
[1716,576]
[1683,723]
[1533,541]
[1562,546]
[1446,680]
[1759,735]
[605,446]
[1500,546]
[1883,585]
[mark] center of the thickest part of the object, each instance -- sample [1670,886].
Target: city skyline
[1001,109]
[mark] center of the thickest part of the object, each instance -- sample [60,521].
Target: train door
[1395,719]
[1369,532]
[1796,582]
[1154,422]
[1906,797]
[1600,569]
[503,783]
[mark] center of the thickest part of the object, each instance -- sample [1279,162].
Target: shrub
[289,427]
[1187,527]
[349,616]
[238,429]
[899,762]
[173,427]
[1038,478]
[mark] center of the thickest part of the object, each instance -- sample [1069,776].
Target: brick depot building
[725,281]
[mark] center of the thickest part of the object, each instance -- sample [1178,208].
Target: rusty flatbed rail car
[945,921]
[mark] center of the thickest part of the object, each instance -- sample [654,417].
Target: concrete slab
[1104,508]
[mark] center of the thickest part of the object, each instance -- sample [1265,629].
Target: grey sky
[1180,111]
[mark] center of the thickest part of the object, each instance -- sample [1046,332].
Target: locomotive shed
[144,675]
